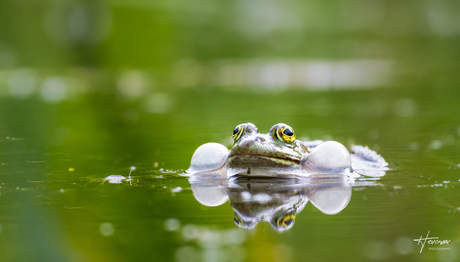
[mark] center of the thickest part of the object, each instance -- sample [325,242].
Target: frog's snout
[252,142]
[245,143]
[259,139]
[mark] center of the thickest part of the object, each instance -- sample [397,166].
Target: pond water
[101,177]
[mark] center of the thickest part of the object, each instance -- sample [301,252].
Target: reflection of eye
[238,221]
[248,224]
[238,131]
[285,133]
[286,221]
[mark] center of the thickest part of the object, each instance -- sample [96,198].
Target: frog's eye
[286,221]
[285,133]
[238,131]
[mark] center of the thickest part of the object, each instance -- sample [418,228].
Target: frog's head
[277,148]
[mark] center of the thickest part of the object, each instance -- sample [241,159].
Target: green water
[56,206]
[102,104]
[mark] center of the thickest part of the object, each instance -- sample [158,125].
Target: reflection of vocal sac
[276,201]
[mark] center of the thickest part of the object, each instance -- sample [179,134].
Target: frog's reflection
[277,201]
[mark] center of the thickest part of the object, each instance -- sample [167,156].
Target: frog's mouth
[254,153]
[255,158]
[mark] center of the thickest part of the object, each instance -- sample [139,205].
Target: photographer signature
[431,241]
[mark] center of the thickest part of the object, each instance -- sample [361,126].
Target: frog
[278,152]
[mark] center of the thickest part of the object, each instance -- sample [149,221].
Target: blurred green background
[89,89]
[187,43]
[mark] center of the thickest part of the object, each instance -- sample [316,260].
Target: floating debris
[115,179]
[166,171]
[131,169]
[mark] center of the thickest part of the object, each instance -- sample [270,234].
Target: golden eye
[285,133]
[286,221]
[238,131]
[238,220]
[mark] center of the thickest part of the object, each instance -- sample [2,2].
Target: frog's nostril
[246,143]
[260,139]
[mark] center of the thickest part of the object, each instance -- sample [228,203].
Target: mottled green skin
[265,150]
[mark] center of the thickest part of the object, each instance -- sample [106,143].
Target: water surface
[58,203]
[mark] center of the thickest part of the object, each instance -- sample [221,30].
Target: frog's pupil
[235,131]
[288,222]
[288,132]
